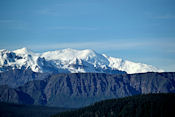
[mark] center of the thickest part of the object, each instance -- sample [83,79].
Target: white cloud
[166,47]
[13,24]
[165,16]
[7,21]
[48,11]
[103,45]
[72,28]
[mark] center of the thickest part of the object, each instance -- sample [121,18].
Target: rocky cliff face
[81,89]
[18,77]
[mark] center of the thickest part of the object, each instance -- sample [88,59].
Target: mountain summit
[69,61]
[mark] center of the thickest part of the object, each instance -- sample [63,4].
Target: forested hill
[19,110]
[150,105]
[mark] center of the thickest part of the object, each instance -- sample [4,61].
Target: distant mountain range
[79,89]
[69,61]
[75,78]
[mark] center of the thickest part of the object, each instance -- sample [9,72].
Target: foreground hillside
[82,89]
[150,105]
[17,110]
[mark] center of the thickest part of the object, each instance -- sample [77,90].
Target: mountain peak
[60,61]
[69,50]
[69,54]
[87,51]
[4,50]
[23,51]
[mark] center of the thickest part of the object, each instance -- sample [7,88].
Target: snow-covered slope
[69,61]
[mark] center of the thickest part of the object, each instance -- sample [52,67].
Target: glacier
[69,61]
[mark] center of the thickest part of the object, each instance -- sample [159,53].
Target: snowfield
[69,61]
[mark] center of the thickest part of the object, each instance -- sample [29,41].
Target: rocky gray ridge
[81,89]
[17,77]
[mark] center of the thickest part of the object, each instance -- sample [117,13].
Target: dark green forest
[150,105]
[147,105]
[17,110]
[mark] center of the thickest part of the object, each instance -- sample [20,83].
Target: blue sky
[137,30]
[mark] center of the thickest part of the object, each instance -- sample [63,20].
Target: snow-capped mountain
[69,61]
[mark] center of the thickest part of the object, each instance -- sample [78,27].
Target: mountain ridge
[81,89]
[69,61]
